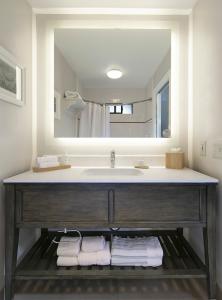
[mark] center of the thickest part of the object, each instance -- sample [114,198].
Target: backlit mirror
[112,83]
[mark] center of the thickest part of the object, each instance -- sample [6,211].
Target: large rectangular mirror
[112,83]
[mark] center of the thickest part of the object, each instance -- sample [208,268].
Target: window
[122,109]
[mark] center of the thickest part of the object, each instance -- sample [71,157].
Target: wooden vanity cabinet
[110,205]
[166,207]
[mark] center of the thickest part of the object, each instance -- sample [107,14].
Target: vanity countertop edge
[76,175]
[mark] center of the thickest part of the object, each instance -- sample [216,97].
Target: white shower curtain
[86,121]
[105,121]
[95,121]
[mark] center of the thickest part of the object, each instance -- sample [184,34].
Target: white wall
[15,122]
[46,142]
[162,69]
[65,79]
[207,59]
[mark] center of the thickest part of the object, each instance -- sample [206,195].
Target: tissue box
[174,160]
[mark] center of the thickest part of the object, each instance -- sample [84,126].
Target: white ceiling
[163,4]
[91,53]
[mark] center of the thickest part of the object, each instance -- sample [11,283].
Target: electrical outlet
[203,148]
[217,151]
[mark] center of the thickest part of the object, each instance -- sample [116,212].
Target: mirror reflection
[112,83]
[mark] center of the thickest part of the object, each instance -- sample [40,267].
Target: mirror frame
[96,22]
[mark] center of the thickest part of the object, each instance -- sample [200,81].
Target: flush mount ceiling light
[114,74]
[116,100]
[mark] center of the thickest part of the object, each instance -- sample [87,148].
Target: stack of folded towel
[94,251]
[145,251]
[47,161]
[68,251]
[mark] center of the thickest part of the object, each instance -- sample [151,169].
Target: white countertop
[77,175]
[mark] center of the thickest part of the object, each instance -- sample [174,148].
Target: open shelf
[180,260]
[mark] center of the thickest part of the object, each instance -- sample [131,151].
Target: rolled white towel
[69,246]
[144,246]
[101,257]
[67,261]
[93,243]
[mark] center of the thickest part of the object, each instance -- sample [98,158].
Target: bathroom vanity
[131,202]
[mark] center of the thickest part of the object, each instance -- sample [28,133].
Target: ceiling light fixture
[114,74]
[116,100]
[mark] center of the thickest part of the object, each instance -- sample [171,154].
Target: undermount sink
[113,172]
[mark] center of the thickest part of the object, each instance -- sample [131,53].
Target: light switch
[203,148]
[217,151]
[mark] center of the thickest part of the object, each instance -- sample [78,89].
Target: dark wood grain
[11,242]
[168,204]
[43,262]
[113,205]
[210,241]
[69,206]
[132,206]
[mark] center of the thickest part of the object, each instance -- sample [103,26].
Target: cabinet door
[153,204]
[58,206]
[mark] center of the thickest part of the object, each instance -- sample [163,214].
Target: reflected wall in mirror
[113,83]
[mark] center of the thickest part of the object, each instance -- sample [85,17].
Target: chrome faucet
[112,159]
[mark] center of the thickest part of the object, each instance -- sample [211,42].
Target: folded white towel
[48,164]
[101,257]
[93,243]
[73,94]
[143,262]
[47,159]
[67,261]
[50,157]
[69,246]
[145,246]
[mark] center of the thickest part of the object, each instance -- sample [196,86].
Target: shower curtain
[95,121]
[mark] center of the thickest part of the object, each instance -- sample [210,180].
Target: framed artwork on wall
[12,79]
[57,105]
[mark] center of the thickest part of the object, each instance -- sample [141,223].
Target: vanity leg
[11,243]
[209,233]
[180,231]
[44,231]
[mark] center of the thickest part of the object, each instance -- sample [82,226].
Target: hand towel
[67,261]
[48,164]
[93,243]
[145,246]
[101,257]
[69,246]
[47,159]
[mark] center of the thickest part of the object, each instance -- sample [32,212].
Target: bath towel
[136,261]
[145,246]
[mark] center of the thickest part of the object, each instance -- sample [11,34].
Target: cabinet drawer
[164,204]
[77,206]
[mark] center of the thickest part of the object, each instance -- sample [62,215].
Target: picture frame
[57,105]
[12,79]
